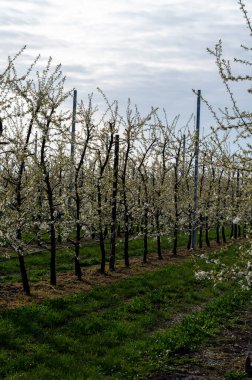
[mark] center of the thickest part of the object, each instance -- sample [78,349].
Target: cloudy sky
[153,51]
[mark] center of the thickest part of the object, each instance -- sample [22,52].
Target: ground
[220,358]
[11,294]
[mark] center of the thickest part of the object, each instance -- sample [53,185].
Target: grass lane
[121,331]
[37,265]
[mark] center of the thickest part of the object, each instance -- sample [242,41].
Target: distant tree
[51,125]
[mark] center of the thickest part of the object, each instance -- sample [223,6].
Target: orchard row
[96,173]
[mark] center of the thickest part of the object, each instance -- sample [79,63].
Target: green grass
[121,331]
[235,375]
[37,265]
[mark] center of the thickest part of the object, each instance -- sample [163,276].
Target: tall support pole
[72,146]
[196,169]
[73,125]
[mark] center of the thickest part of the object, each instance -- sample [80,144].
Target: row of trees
[114,175]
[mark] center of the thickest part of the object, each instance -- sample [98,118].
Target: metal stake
[196,169]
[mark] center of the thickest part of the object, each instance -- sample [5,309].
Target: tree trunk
[126,237]
[244,232]
[25,281]
[101,234]
[53,254]
[235,231]
[78,271]
[218,233]
[201,232]
[103,252]
[113,207]
[145,234]
[223,234]
[239,231]
[189,241]
[159,252]
[206,233]
[175,239]
[232,231]
[176,212]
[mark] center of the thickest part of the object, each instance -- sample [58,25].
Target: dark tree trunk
[144,178]
[59,237]
[223,234]
[175,240]
[159,252]
[235,231]
[218,233]
[78,271]
[49,192]
[105,233]
[99,201]
[53,254]
[78,183]
[232,231]
[126,243]
[101,235]
[119,230]
[201,219]
[19,202]
[201,232]
[126,225]
[218,209]
[145,234]
[23,273]
[52,228]
[103,252]
[176,211]
[239,231]
[244,232]
[206,233]
[113,207]
[39,217]
[25,281]
[189,241]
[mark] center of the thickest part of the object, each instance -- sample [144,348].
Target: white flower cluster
[202,275]
[240,272]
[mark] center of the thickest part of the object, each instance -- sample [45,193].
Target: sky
[152,51]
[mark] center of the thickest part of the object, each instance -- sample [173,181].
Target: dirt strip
[221,358]
[12,296]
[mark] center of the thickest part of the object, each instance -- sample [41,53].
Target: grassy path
[125,330]
[220,357]
[38,264]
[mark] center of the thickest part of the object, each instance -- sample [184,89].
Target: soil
[220,358]
[12,296]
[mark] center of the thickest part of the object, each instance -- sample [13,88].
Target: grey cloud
[141,61]
[17,18]
[38,3]
[77,68]
[19,38]
[13,16]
